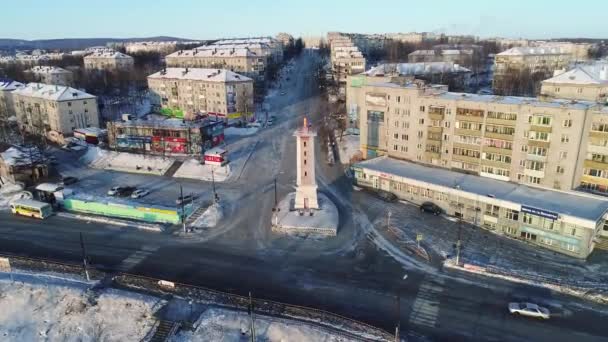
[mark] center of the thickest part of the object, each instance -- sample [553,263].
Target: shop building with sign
[570,223]
[169,136]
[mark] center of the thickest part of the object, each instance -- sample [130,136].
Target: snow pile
[37,311]
[348,148]
[10,191]
[193,168]
[126,162]
[229,326]
[237,131]
[210,218]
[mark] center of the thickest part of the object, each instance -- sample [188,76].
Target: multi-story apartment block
[163,48]
[109,61]
[455,76]
[188,92]
[553,143]
[242,61]
[458,56]
[261,46]
[346,58]
[7,106]
[284,38]
[584,82]
[52,75]
[42,108]
[534,60]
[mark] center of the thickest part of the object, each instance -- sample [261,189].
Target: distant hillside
[71,43]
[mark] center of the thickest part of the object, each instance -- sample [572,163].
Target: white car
[529,309]
[114,190]
[139,193]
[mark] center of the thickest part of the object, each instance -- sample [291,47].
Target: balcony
[492,149]
[435,129]
[473,118]
[534,173]
[537,128]
[592,164]
[466,159]
[432,154]
[503,122]
[536,157]
[597,149]
[539,143]
[463,131]
[499,136]
[435,116]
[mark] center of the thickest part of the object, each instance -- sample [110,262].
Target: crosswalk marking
[426,305]
[135,258]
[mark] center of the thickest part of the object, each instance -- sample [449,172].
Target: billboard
[172,112]
[540,212]
[375,99]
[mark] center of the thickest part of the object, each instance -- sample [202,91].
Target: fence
[129,281]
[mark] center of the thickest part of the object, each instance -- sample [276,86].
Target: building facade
[52,75]
[109,61]
[457,77]
[42,108]
[552,143]
[458,56]
[165,136]
[584,82]
[7,105]
[565,222]
[242,61]
[197,91]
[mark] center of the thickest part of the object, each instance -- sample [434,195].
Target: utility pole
[398,326]
[250,309]
[388,219]
[183,214]
[275,192]
[458,242]
[84,257]
[215,198]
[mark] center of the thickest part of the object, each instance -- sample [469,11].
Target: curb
[108,220]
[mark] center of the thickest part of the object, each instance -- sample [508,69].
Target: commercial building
[565,222]
[242,61]
[109,61]
[7,106]
[583,82]
[169,136]
[52,75]
[188,92]
[42,108]
[553,143]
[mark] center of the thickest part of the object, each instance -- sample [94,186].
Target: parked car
[269,122]
[430,207]
[186,199]
[386,196]
[121,191]
[529,309]
[139,193]
[283,93]
[69,180]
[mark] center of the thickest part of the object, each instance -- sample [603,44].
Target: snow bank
[193,168]
[236,131]
[38,311]
[10,191]
[210,218]
[228,326]
[97,158]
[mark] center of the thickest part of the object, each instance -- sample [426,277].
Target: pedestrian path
[425,309]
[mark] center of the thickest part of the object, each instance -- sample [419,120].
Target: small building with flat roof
[565,222]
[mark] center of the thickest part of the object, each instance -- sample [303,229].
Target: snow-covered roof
[216,52]
[16,156]
[521,51]
[41,69]
[49,187]
[108,54]
[567,203]
[413,69]
[10,85]
[52,92]
[422,53]
[265,40]
[583,74]
[201,74]
[516,100]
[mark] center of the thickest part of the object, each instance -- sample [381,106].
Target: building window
[512,215]
[533,180]
[568,123]
[395,147]
[565,138]
[492,210]
[560,169]
[563,155]
[304,143]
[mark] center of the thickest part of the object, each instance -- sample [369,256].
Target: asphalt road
[348,275]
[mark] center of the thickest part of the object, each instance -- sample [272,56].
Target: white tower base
[306,197]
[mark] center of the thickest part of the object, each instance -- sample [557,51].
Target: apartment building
[164,48]
[534,60]
[262,46]
[551,143]
[583,82]
[189,92]
[345,57]
[109,61]
[43,108]
[51,75]
[284,38]
[454,75]
[457,56]
[565,222]
[242,61]
[7,106]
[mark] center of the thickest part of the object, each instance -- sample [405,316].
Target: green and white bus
[31,208]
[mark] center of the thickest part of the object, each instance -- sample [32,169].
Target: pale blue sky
[40,19]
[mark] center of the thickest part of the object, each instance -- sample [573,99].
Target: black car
[430,207]
[69,180]
[386,196]
[184,200]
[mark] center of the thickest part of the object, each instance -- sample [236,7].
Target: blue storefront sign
[539,212]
